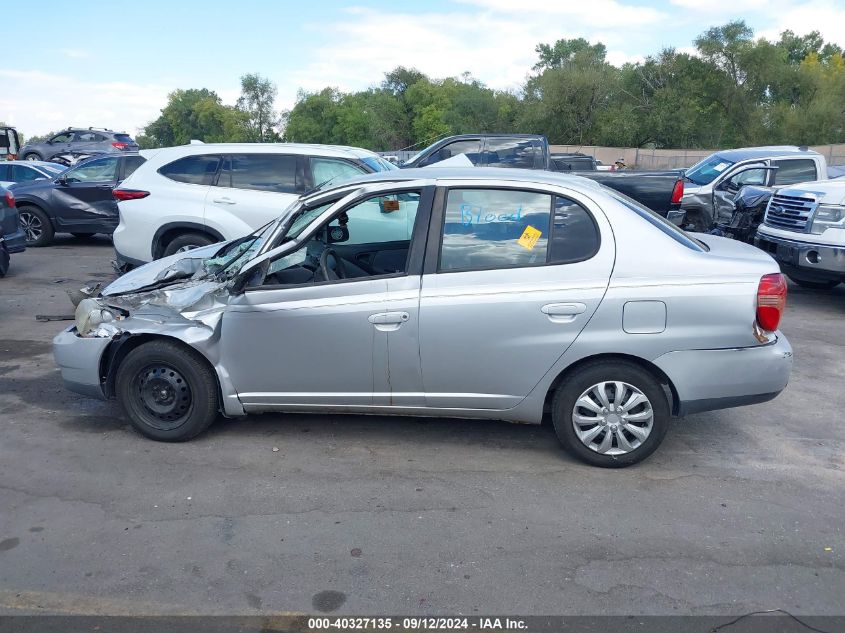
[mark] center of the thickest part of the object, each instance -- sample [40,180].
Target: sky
[112,65]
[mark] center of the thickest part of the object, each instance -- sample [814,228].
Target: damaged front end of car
[180,298]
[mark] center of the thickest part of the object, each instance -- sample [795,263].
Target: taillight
[10,199]
[129,194]
[678,192]
[120,145]
[771,301]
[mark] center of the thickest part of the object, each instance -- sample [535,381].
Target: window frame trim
[416,246]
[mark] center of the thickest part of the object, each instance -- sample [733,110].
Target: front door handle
[223,201]
[386,318]
[388,321]
[563,312]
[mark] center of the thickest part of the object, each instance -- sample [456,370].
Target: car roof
[434,174]
[748,153]
[332,151]
[34,163]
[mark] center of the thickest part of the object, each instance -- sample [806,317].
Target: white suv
[194,195]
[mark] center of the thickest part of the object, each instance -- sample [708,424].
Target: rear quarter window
[657,221]
[193,170]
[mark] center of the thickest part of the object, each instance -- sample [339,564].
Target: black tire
[32,156]
[36,225]
[168,391]
[815,285]
[81,235]
[187,241]
[572,388]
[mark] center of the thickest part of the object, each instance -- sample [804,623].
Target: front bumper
[124,263]
[79,361]
[711,379]
[807,260]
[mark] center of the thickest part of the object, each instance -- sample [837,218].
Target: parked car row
[68,145]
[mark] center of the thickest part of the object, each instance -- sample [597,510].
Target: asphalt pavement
[739,510]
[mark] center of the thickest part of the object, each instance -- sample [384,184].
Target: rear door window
[504,228]
[22,173]
[193,170]
[260,172]
[792,171]
[512,152]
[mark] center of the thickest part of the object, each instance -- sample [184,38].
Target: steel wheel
[612,418]
[165,394]
[32,226]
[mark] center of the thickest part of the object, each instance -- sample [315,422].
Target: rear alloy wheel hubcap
[31,226]
[612,418]
[164,393]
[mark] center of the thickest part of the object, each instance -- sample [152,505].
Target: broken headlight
[93,319]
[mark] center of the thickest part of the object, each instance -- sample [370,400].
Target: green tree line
[735,91]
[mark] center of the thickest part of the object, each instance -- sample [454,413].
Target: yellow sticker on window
[529,237]
[390,205]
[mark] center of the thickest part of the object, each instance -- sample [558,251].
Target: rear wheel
[815,285]
[611,414]
[186,242]
[36,226]
[168,391]
[32,156]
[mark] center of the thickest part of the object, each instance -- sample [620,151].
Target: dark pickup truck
[660,192]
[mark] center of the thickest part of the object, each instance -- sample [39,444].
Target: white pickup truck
[712,184]
[804,230]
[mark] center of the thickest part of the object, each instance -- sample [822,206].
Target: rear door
[253,189]
[512,275]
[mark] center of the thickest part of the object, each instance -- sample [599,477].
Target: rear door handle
[223,201]
[563,312]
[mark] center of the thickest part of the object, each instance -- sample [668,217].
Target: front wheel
[32,156]
[611,414]
[168,391]
[36,226]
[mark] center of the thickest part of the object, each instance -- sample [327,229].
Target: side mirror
[62,180]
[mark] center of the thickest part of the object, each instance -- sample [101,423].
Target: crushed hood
[179,265]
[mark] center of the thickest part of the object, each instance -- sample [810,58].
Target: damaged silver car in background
[482,293]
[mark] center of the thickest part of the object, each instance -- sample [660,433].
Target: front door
[314,333]
[518,275]
[84,193]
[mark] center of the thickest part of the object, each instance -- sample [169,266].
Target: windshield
[305,217]
[229,259]
[706,171]
[414,158]
[377,163]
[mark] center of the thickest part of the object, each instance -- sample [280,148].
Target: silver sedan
[444,292]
